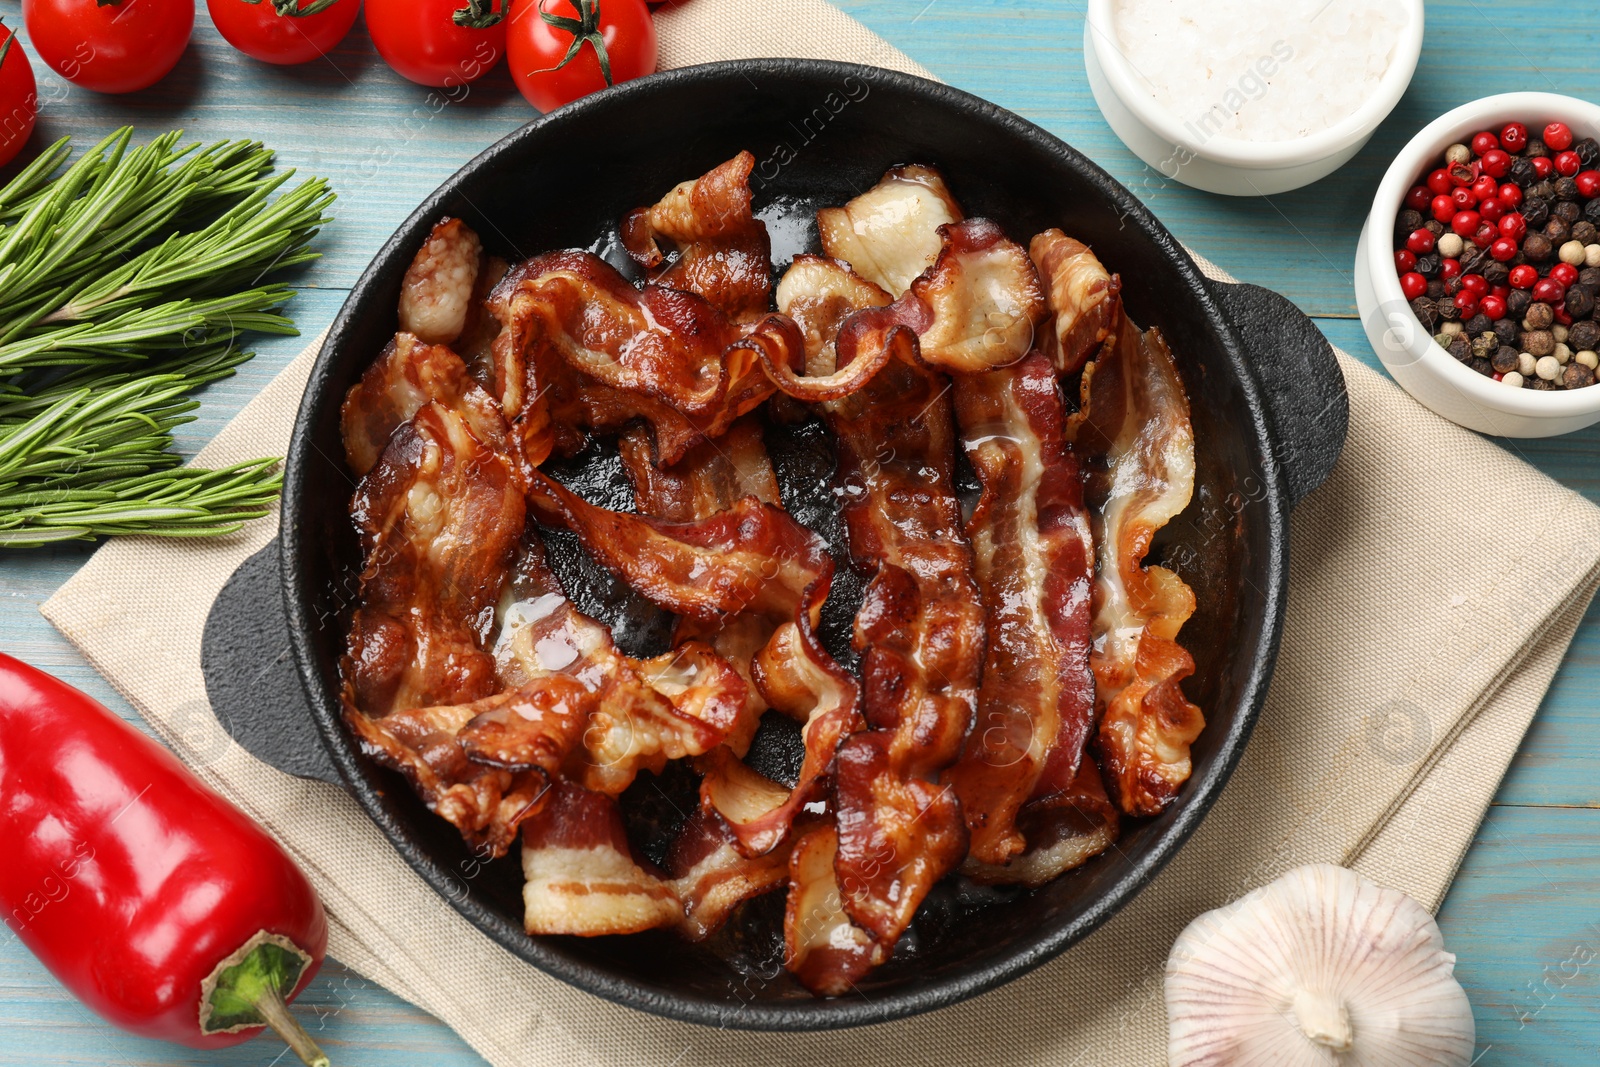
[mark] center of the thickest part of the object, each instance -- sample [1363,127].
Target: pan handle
[1301,383]
[250,674]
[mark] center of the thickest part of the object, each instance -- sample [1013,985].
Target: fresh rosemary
[126,282]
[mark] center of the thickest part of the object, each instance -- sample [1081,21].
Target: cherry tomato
[284,31]
[555,46]
[443,43]
[19,96]
[110,46]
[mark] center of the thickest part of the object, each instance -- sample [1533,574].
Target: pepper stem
[250,989]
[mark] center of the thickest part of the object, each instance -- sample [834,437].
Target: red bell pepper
[155,901]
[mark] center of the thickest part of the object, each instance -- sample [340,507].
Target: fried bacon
[712,478]
[1135,424]
[724,251]
[1085,299]
[436,294]
[712,877]
[920,632]
[1035,559]
[821,947]
[889,233]
[406,376]
[581,876]
[1065,828]
[818,295]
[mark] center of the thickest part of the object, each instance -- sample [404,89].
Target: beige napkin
[1415,653]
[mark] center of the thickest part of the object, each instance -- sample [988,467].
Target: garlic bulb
[1321,968]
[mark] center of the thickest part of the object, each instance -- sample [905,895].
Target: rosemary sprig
[126,282]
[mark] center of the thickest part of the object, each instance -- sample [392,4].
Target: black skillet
[1269,416]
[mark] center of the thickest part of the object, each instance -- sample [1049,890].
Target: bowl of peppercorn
[1478,271]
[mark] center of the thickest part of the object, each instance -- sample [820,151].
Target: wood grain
[1522,915]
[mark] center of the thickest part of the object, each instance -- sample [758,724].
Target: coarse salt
[1258,71]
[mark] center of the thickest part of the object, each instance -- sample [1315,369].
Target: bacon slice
[1084,297]
[724,251]
[1135,423]
[436,294]
[920,632]
[406,376]
[1035,559]
[821,947]
[712,877]
[889,234]
[581,876]
[712,478]
[1065,828]
[819,294]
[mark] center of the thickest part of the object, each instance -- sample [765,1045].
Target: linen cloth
[1414,657]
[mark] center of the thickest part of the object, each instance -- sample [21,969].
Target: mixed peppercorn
[1498,251]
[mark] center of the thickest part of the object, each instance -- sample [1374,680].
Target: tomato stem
[477,15]
[291,9]
[585,29]
[5,49]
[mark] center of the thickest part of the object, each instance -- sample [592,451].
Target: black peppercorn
[1504,359]
[1588,151]
[1409,222]
[1590,276]
[1538,247]
[1478,325]
[1585,232]
[1558,230]
[1452,286]
[1567,212]
[1435,288]
[1460,348]
[1544,189]
[1567,189]
[1580,301]
[1518,302]
[1522,172]
[1505,331]
[1426,311]
[1484,346]
[1448,310]
[1591,211]
[1482,366]
[1535,210]
[1474,260]
[1538,317]
[1428,265]
[1435,227]
[1496,273]
[1540,385]
[1536,147]
[1576,376]
[1537,343]
[1583,336]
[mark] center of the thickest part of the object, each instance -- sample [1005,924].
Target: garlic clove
[1321,968]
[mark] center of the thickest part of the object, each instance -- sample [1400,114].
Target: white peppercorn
[1588,359]
[1591,255]
[1572,252]
[1562,353]
[1450,329]
[1560,332]
[1451,245]
[1513,379]
[1547,368]
[1458,153]
[1525,364]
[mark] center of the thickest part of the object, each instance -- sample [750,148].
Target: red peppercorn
[1475,282]
[1588,184]
[1443,208]
[1542,166]
[1503,250]
[1463,198]
[1482,142]
[1568,164]
[1510,195]
[1413,285]
[1404,261]
[1563,316]
[1419,198]
[1550,291]
[1439,181]
[1461,174]
[1565,273]
[1484,188]
[1493,307]
[1514,138]
[1496,163]
[1449,268]
[1467,301]
[1420,242]
[1524,276]
[1513,226]
[1558,136]
[1465,223]
[1491,209]
[1502,291]
[1485,234]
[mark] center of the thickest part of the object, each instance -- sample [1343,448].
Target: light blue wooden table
[1524,916]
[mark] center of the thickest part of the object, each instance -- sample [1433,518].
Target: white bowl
[1411,356]
[1230,165]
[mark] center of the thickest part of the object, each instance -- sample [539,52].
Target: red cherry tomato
[443,43]
[19,96]
[110,46]
[554,47]
[284,31]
